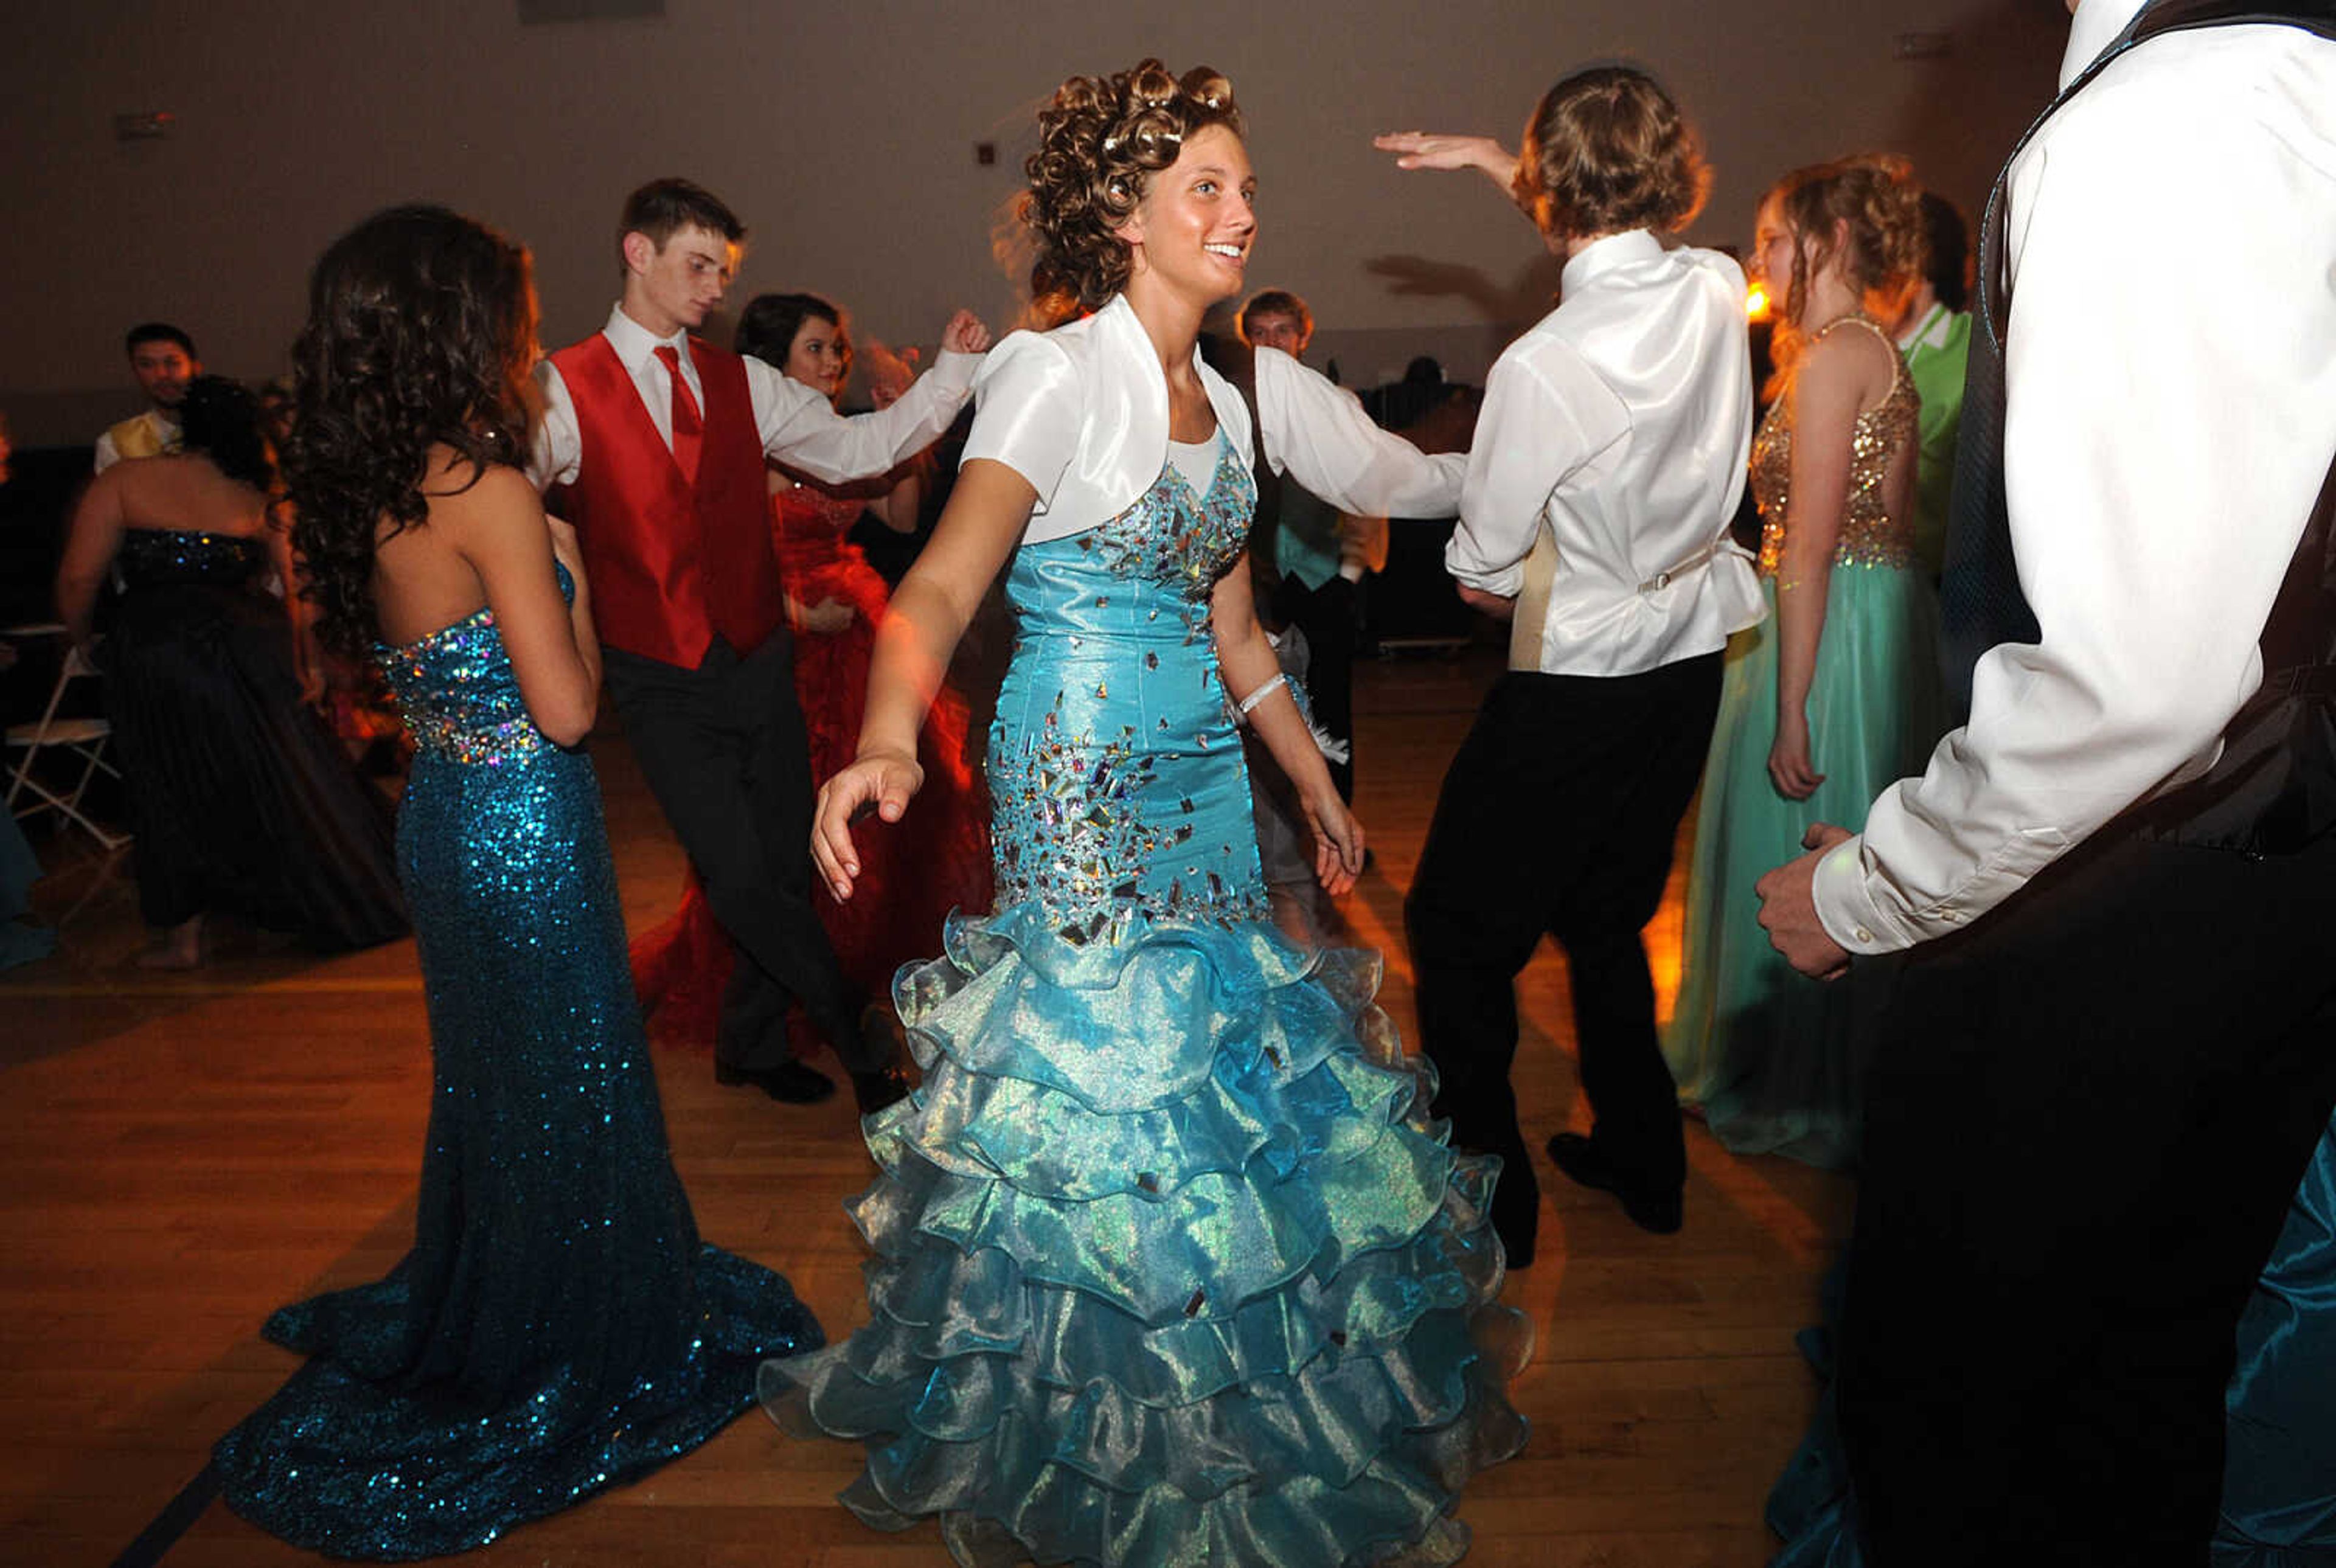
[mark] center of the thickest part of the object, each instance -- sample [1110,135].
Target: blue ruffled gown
[1169,1266]
[558,1326]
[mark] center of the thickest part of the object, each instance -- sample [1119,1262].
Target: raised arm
[499,527]
[802,430]
[985,514]
[1253,677]
[1434,149]
[90,545]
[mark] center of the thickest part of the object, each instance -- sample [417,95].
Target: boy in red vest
[661,439]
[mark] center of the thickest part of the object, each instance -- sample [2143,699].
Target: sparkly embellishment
[1869,535]
[1149,1182]
[1193,1308]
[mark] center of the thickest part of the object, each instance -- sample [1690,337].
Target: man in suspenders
[2113,1046]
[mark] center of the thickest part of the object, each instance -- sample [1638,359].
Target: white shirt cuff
[1847,908]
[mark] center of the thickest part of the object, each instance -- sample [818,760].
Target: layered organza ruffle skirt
[1169,1266]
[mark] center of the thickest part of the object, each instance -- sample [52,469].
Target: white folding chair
[84,738]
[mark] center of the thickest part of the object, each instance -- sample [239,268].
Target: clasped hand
[880,783]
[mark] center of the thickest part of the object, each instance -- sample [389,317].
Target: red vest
[671,565]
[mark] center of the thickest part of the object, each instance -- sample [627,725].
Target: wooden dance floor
[183,1154]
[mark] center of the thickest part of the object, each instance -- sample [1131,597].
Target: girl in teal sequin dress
[558,1326]
[1170,1267]
[1836,694]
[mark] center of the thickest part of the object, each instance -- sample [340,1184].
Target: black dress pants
[723,752]
[1558,816]
[1326,615]
[2085,1120]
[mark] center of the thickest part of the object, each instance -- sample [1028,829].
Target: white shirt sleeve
[2168,432]
[1317,433]
[1545,414]
[555,455]
[1029,412]
[803,429]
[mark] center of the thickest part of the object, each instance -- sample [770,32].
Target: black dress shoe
[1581,1159]
[790,1083]
[879,1088]
[1516,1206]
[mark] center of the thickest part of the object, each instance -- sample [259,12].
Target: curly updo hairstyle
[1608,149]
[1100,140]
[220,420]
[767,328]
[420,332]
[1873,200]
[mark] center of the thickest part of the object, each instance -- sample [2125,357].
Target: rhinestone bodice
[459,693]
[1870,535]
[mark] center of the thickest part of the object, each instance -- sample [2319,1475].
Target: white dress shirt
[1082,412]
[1608,462]
[2172,413]
[798,425]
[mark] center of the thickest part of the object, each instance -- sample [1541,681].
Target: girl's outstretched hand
[876,782]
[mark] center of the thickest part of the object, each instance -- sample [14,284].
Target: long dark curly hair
[1100,140]
[219,418]
[420,332]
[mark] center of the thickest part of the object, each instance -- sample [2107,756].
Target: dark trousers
[2085,1119]
[1326,615]
[1558,816]
[723,752]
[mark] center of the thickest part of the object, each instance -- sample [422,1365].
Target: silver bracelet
[1260,694]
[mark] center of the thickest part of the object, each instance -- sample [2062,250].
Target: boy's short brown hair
[663,208]
[1607,149]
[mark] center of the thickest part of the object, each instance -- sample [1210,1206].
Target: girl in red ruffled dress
[916,871]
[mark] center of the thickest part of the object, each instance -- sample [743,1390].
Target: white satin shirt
[1082,412]
[797,425]
[1608,462]
[2172,415]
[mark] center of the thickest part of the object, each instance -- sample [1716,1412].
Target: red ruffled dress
[913,873]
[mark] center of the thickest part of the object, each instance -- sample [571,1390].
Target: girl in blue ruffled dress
[1170,1265]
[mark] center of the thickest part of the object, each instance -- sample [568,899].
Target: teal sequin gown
[1768,1056]
[558,1326]
[1170,1267]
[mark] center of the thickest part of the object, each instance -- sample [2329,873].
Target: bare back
[422,577]
[186,492]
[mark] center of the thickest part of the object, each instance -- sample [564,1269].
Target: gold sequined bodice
[1870,535]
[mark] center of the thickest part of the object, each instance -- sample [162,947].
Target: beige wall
[844,134]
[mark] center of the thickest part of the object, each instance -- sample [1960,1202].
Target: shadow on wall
[1528,295]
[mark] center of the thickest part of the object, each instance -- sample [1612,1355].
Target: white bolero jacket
[1082,412]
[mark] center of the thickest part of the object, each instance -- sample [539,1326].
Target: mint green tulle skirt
[1169,1266]
[1767,1054]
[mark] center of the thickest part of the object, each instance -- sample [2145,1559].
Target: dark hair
[663,208]
[219,419]
[1100,140]
[147,331]
[420,332]
[1608,149]
[1274,302]
[767,327]
[1947,267]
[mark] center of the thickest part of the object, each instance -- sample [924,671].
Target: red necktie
[688,424]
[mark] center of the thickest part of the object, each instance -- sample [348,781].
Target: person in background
[240,802]
[1319,553]
[1933,332]
[163,360]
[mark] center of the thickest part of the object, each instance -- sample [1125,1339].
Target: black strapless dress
[241,799]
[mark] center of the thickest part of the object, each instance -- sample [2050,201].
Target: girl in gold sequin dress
[1834,695]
